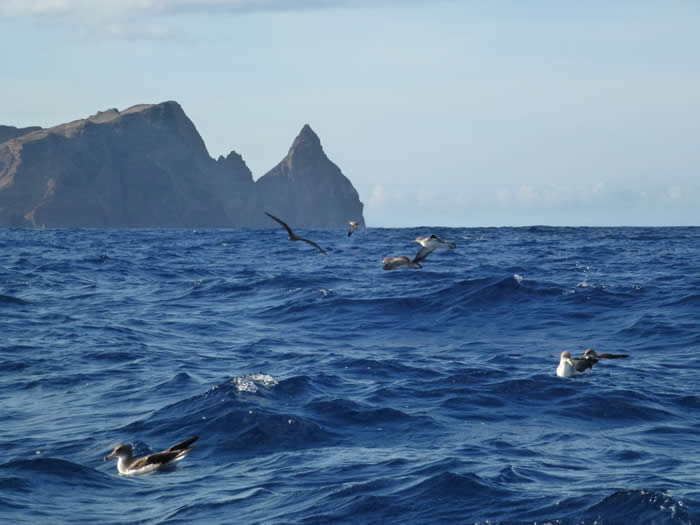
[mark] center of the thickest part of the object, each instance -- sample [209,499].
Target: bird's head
[122,451]
[566,357]
[590,354]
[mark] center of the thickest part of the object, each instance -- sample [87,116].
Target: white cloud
[124,8]
[598,188]
[380,196]
[527,195]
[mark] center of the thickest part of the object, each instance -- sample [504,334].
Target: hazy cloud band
[109,8]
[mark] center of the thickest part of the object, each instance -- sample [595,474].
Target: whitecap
[252,382]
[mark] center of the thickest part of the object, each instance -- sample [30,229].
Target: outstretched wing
[423,253]
[289,230]
[312,243]
[611,356]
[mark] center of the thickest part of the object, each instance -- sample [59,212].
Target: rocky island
[147,166]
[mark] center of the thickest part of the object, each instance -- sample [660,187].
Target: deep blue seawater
[327,390]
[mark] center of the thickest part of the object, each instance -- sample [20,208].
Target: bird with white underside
[128,465]
[571,366]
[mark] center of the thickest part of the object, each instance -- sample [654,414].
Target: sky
[440,112]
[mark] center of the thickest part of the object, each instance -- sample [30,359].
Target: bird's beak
[568,360]
[110,456]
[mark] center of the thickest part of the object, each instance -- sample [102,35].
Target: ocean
[324,389]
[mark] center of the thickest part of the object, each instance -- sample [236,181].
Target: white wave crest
[253,382]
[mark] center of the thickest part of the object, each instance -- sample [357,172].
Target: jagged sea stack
[147,166]
[308,190]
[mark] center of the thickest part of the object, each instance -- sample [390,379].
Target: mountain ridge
[147,166]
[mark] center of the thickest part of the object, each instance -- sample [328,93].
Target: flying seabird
[353,227]
[428,246]
[128,465]
[403,260]
[432,243]
[293,236]
[570,366]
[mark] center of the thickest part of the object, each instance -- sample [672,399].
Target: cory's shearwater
[391,263]
[432,243]
[570,366]
[353,227]
[129,465]
[293,236]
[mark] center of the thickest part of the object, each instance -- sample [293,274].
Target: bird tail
[452,245]
[184,445]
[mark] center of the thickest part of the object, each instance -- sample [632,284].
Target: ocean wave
[639,506]
[346,412]
[9,299]
[325,389]
[253,382]
[68,472]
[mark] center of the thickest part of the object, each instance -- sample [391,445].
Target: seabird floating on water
[128,465]
[570,366]
[353,227]
[293,236]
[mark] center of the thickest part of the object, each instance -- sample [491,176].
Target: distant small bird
[293,236]
[129,465]
[571,366]
[353,227]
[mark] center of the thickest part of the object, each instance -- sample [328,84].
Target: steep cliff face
[307,189]
[147,166]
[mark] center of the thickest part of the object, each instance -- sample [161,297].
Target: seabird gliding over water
[127,464]
[434,242]
[353,227]
[571,366]
[293,236]
[396,262]
[403,260]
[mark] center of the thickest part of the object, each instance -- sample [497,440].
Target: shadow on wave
[633,507]
[469,498]
[10,299]
[445,497]
[24,475]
